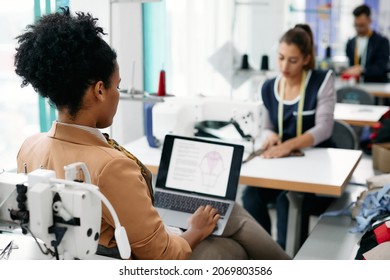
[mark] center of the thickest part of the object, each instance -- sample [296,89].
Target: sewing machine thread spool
[264,63]
[161,84]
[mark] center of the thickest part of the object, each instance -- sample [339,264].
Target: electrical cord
[48,250]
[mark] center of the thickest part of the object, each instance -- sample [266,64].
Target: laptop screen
[200,166]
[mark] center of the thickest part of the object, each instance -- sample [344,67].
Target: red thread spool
[161,84]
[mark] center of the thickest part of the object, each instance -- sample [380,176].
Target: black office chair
[354,95]
[343,136]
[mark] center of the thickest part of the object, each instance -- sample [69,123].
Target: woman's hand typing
[201,224]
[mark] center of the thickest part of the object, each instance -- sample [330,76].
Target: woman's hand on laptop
[204,219]
[201,224]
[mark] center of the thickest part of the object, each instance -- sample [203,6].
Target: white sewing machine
[231,120]
[64,214]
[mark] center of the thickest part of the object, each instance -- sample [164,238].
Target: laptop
[195,172]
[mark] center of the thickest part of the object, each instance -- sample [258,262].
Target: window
[19,116]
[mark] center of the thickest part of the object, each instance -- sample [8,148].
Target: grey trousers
[242,239]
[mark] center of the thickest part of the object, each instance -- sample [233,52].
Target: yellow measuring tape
[300,106]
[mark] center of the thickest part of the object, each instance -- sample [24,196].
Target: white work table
[359,115]
[381,90]
[321,170]
[377,89]
[26,248]
[331,238]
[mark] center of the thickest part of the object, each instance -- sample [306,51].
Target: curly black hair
[62,55]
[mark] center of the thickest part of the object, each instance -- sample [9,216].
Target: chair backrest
[343,136]
[354,95]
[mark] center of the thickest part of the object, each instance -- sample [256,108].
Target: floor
[272,212]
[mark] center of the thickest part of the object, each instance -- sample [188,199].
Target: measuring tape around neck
[300,105]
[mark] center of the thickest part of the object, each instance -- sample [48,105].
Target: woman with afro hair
[65,59]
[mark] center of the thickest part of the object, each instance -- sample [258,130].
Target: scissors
[295,153]
[4,255]
[253,154]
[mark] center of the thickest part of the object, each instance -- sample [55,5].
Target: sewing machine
[231,120]
[64,214]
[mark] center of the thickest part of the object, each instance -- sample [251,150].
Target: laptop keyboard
[186,204]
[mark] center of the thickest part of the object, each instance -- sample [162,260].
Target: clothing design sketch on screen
[211,167]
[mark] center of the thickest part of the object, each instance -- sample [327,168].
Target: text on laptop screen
[199,167]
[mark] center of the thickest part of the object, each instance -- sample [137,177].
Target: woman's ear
[98,90]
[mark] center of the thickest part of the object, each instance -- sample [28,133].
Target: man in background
[368,51]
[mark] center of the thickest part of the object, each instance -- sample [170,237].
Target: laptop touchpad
[175,218]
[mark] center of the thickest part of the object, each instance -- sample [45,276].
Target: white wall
[127,41]
[257,31]
[384,18]
[124,30]
[98,8]
[268,22]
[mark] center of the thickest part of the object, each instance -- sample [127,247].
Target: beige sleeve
[122,183]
